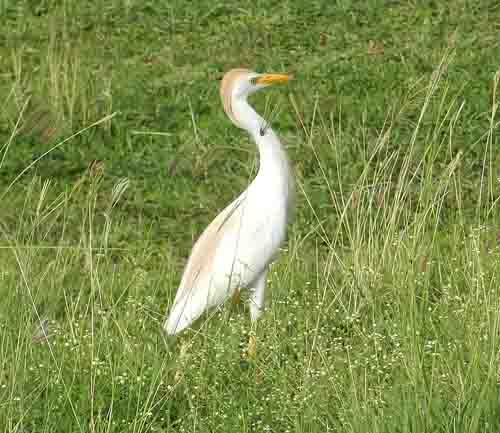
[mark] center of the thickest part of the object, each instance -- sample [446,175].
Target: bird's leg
[256,307]
[236,297]
[252,344]
[257,297]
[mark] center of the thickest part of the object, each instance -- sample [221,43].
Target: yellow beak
[268,79]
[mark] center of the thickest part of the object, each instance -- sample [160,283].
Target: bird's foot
[252,347]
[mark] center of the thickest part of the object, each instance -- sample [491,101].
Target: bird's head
[238,84]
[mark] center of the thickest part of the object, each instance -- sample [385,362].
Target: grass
[384,309]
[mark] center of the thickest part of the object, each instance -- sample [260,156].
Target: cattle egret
[235,250]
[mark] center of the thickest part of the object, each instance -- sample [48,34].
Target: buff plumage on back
[194,292]
[203,253]
[226,89]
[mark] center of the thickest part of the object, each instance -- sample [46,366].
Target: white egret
[235,250]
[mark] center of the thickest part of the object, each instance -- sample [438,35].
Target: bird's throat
[274,167]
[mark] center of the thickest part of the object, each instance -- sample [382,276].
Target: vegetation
[384,309]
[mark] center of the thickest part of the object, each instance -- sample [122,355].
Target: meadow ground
[385,304]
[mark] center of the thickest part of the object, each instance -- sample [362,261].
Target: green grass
[384,307]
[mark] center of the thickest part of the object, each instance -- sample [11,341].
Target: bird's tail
[176,321]
[182,315]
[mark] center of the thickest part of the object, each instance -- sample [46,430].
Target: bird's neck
[273,159]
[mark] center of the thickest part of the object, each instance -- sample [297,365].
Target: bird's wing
[193,292]
[203,253]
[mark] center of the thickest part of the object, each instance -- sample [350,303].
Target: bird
[236,249]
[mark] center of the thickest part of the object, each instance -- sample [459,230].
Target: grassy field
[384,307]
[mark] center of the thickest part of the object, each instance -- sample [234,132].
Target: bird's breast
[267,211]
